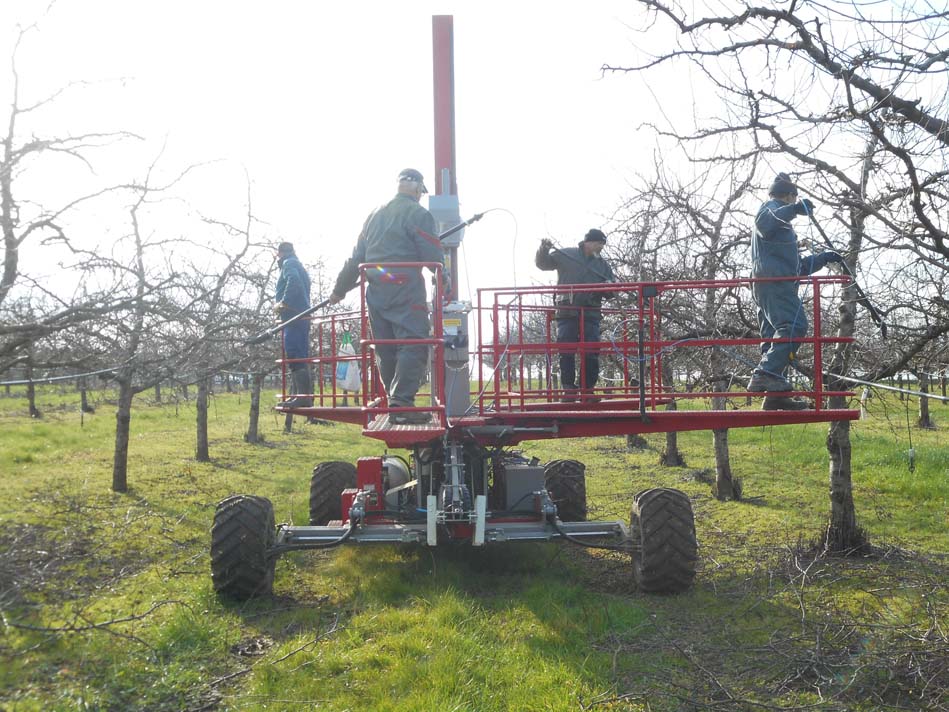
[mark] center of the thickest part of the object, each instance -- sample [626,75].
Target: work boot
[570,394]
[784,403]
[589,396]
[411,418]
[762,382]
[302,385]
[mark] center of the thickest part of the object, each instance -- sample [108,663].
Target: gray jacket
[574,267]
[399,231]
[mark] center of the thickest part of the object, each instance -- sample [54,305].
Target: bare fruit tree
[851,99]
[676,229]
[26,223]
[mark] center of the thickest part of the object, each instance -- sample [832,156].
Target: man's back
[399,231]
[402,231]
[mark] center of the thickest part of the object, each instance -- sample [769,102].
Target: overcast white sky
[324,103]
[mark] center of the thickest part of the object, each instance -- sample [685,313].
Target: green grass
[107,603]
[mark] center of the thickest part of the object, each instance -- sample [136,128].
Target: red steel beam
[444,84]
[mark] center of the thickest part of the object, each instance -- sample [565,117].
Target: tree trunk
[31,392]
[202,453]
[725,488]
[636,442]
[924,420]
[253,433]
[843,535]
[123,420]
[670,456]
[84,406]
[158,393]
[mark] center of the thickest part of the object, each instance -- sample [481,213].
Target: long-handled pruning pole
[862,298]
[269,333]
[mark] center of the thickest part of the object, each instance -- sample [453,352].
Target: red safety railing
[516,330]
[515,353]
[328,353]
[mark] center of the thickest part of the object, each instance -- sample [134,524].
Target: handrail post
[818,348]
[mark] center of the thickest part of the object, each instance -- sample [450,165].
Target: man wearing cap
[399,231]
[774,253]
[291,297]
[578,311]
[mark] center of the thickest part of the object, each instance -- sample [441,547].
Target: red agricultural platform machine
[492,387]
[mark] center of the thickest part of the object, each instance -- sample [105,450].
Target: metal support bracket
[431,513]
[481,508]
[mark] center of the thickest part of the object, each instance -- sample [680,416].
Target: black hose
[284,548]
[580,542]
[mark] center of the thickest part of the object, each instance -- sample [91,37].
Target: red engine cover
[369,478]
[346,500]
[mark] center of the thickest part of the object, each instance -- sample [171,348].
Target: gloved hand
[812,263]
[808,206]
[336,298]
[279,307]
[546,244]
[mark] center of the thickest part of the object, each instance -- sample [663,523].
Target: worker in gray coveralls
[399,231]
[578,265]
[774,253]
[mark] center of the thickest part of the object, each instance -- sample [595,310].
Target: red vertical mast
[443,203]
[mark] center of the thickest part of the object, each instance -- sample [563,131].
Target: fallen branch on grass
[309,644]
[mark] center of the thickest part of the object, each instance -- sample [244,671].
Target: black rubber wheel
[326,485]
[665,547]
[567,486]
[241,537]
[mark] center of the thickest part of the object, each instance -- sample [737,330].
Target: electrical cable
[905,391]
[55,379]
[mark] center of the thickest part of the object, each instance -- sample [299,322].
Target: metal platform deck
[573,420]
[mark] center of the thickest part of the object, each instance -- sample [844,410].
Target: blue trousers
[296,342]
[780,316]
[568,332]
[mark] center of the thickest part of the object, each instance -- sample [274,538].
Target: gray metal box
[515,485]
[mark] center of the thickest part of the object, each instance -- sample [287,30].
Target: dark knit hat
[594,235]
[286,247]
[783,185]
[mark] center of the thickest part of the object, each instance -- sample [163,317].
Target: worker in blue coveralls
[774,253]
[578,265]
[399,231]
[292,296]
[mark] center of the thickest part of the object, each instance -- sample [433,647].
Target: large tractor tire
[665,549]
[327,484]
[566,483]
[241,538]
